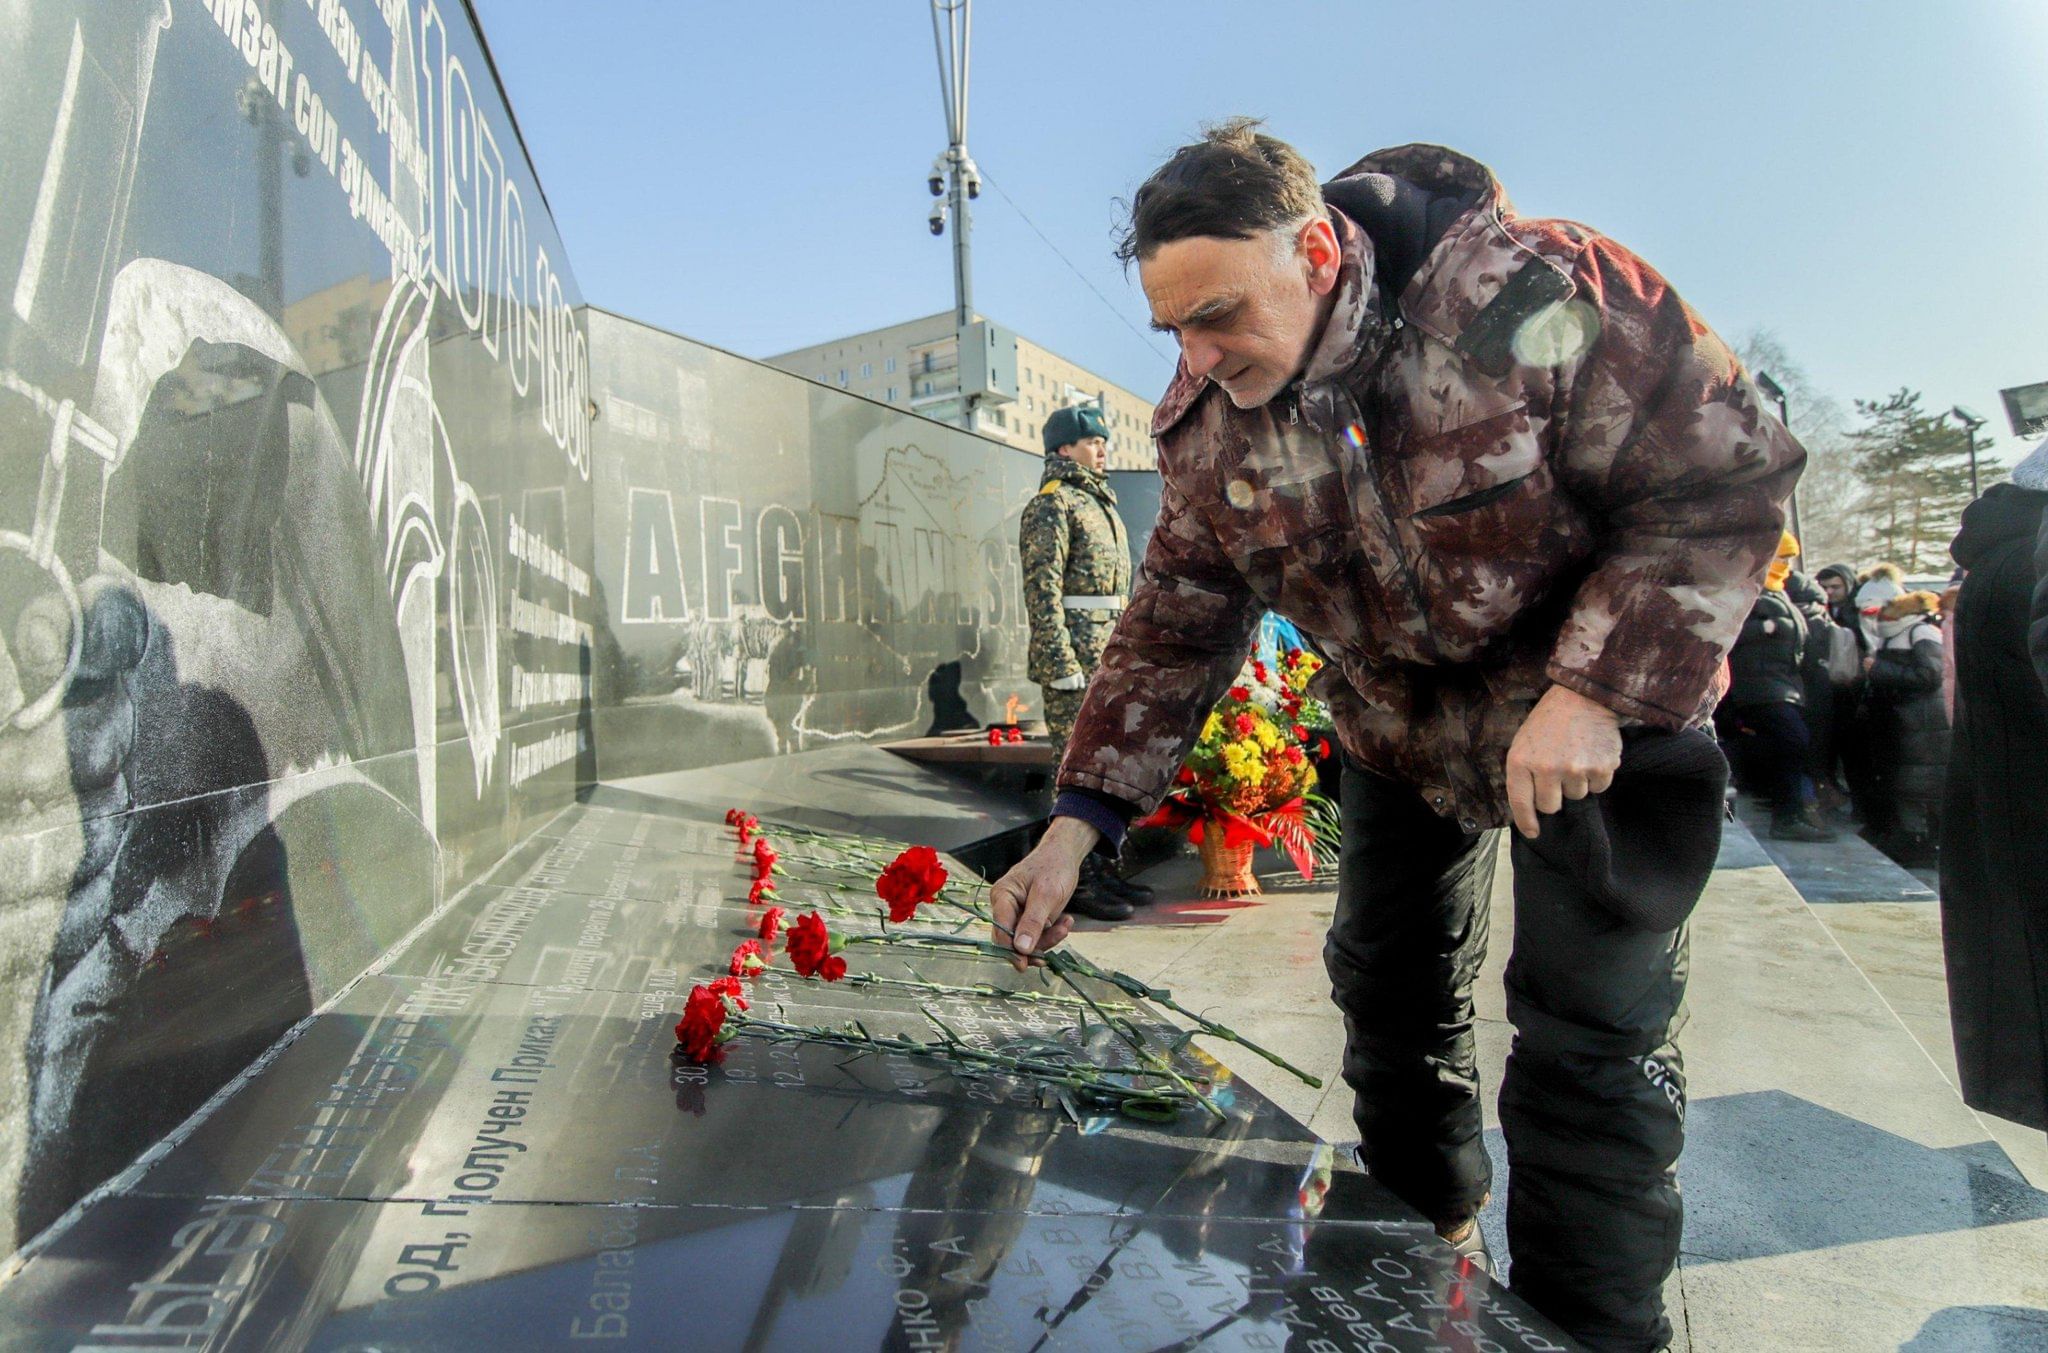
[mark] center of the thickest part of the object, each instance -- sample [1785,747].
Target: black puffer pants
[1592,1104]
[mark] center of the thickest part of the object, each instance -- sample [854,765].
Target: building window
[892,394]
[842,377]
[924,387]
[867,369]
[889,367]
[927,361]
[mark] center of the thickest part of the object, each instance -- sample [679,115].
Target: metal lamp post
[1777,393]
[1971,422]
[952,26]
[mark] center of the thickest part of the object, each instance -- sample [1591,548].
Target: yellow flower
[1268,736]
[1212,727]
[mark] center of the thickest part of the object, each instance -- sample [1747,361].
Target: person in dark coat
[1760,721]
[1905,729]
[1994,855]
[1819,710]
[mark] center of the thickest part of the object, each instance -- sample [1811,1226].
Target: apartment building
[916,365]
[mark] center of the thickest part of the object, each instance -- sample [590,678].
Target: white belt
[1093,603]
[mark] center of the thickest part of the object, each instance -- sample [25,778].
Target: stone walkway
[1839,1193]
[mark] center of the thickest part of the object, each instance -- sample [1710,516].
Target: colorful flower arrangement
[1249,774]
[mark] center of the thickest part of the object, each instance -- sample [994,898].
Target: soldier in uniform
[1520,497]
[1077,572]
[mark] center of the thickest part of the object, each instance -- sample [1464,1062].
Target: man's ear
[1320,252]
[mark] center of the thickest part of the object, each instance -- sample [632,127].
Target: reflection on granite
[488,1143]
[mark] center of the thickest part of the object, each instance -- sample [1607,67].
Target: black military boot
[1800,824]
[1094,900]
[1136,893]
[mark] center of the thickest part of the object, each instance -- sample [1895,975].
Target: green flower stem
[983,989]
[1203,1024]
[959,1056]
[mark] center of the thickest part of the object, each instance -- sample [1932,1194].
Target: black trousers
[1592,1104]
[1771,748]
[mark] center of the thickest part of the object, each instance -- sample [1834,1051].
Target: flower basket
[1250,778]
[1226,869]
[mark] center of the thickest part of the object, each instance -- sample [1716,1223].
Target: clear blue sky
[1867,178]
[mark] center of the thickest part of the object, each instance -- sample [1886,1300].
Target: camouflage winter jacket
[1531,463]
[1073,545]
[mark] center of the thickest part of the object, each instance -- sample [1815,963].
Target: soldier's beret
[1064,427]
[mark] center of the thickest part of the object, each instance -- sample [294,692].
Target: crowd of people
[1839,703]
[1858,698]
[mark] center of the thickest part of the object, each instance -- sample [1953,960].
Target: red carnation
[1323,748]
[730,989]
[1294,756]
[732,815]
[911,880]
[1186,776]
[1259,672]
[762,887]
[1293,655]
[1300,733]
[1240,692]
[764,858]
[747,960]
[702,1028]
[746,831]
[1015,734]
[995,737]
[810,949]
[1244,724]
[771,924]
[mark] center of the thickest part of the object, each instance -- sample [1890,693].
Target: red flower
[764,859]
[732,815]
[810,949]
[730,989]
[1240,692]
[1259,672]
[1323,749]
[746,832]
[1293,656]
[1300,733]
[1015,734]
[762,887]
[995,737]
[771,924]
[1186,776]
[1294,756]
[911,880]
[747,960]
[702,1028]
[1244,724]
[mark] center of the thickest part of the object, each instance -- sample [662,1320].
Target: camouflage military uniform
[1074,546]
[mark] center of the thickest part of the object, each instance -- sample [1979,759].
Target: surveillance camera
[937,219]
[973,180]
[936,180]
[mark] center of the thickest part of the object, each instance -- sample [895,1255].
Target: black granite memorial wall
[340,542]
[787,566]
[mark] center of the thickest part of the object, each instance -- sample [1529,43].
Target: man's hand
[1030,899]
[1568,747]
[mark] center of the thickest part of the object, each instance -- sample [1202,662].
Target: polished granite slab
[488,1142]
[851,788]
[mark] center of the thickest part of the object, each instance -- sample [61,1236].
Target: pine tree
[1916,477]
